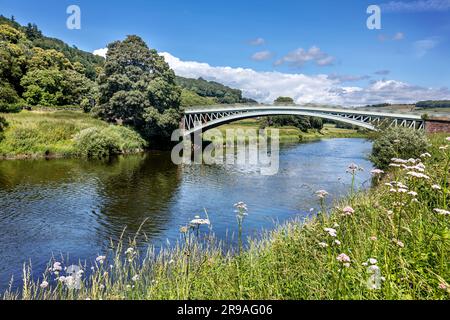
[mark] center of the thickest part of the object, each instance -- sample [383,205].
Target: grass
[34,134]
[386,243]
[293,134]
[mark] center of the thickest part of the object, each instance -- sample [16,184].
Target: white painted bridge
[200,119]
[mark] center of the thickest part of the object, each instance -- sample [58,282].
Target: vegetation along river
[73,208]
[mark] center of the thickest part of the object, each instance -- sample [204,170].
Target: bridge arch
[247,115]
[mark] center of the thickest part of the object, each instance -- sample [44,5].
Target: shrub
[100,143]
[3,125]
[397,142]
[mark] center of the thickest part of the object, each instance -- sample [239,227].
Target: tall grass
[47,134]
[391,242]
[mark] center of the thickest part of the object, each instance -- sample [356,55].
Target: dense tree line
[433,104]
[211,89]
[31,75]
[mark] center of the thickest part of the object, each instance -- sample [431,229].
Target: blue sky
[309,40]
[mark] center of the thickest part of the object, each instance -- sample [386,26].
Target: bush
[100,143]
[3,125]
[397,142]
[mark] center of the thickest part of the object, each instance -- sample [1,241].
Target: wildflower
[412,193]
[332,232]
[373,261]
[401,161]
[352,168]
[102,286]
[57,266]
[100,259]
[365,264]
[346,265]
[241,206]
[373,238]
[337,242]
[436,187]
[44,284]
[61,279]
[343,258]
[130,251]
[321,194]
[396,141]
[418,175]
[199,222]
[348,211]
[383,278]
[171,261]
[388,184]
[443,147]
[376,172]
[443,286]
[442,212]
[184,229]
[447,139]
[425,155]
[399,243]
[135,278]
[323,245]
[373,268]
[390,212]
[394,165]
[402,190]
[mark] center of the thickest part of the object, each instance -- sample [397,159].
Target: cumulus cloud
[347,78]
[416,6]
[262,56]
[300,56]
[265,87]
[257,42]
[101,52]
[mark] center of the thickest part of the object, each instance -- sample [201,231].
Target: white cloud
[399,36]
[300,56]
[267,86]
[421,47]
[262,56]
[347,78]
[257,42]
[416,6]
[382,72]
[101,52]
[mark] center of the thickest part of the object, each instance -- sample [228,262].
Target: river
[73,208]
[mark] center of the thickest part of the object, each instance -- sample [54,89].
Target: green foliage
[104,142]
[3,125]
[39,134]
[433,104]
[302,123]
[284,100]
[190,98]
[137,88]
[211,89]
[397,142]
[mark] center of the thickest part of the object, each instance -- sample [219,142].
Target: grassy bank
[53,134]
[293,134]
[391,242]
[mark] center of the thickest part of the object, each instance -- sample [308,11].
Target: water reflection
[74,207]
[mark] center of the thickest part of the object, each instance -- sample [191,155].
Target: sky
[314,51]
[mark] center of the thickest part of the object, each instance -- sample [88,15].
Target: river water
[73,208]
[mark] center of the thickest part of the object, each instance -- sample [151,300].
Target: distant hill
[214,90]
[429,104]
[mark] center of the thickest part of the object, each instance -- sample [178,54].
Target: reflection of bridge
[201,119]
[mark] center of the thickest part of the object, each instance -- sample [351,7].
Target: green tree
[284,100]
[138,88]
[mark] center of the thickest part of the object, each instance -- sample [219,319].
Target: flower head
[44,284]
[376,172]
[348,211]
[100,259]
[321,194]
[442,212]
[343,258]
[332,232]
[199,222]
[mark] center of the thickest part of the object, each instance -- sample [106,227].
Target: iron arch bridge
[201,119]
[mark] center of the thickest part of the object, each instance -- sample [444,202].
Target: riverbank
[53,134]
[391,242]
[293,134]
